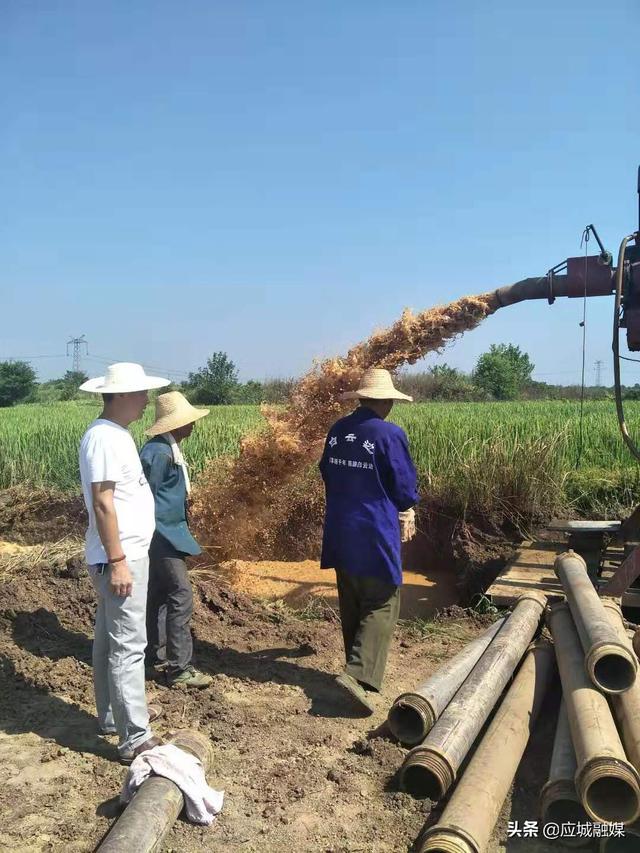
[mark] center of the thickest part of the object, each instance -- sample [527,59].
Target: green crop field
[474,454]
[39,443]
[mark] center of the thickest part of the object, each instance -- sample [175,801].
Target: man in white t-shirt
[121,523]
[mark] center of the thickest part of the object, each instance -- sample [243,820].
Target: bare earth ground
[301,771]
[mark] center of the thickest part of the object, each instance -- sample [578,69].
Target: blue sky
[276,179]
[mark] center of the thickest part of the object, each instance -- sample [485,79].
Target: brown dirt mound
[33,516]
[239,504]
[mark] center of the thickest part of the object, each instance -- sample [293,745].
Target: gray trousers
[169,607]
[369,610]
[118,656]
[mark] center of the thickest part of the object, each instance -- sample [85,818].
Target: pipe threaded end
[559,803]
[425,773]
[612,667]
[557,790]
[609,789]
[444,839]
[410,718]
[538,598]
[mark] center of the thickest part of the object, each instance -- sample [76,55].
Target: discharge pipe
[147,820]
[468,820]
[430,769]
[611,664]
[413,714]
[559,800]
[582,277]
[607,784]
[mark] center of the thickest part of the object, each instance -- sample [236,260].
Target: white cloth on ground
[202,803]
[178,458]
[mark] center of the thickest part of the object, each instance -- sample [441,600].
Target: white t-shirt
[108,452]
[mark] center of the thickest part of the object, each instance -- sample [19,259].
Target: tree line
[502,373]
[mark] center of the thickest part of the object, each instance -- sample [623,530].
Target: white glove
[407,524]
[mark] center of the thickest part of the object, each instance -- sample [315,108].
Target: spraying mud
[242,507]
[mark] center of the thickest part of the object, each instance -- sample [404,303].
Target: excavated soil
[34,516]
[300,769]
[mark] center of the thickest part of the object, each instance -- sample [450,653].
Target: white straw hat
[376,384]
[173,410]
[123,378]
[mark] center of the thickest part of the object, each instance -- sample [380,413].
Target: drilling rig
[611,549]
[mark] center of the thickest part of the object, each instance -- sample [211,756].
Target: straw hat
[376,384]
[173,410]
[123,378]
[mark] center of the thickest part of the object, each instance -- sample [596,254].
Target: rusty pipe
[612,665]
[559,800]
[413,714]
[607,783]
[430,769]
[146,821]
[526,289]
[471,813]
[588,276]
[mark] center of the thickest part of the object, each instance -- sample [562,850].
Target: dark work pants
[369,610]
[170,590]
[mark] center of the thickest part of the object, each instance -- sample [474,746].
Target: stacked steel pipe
[596,752]
[413,714]
[607,784]
[559,800]
[431,768]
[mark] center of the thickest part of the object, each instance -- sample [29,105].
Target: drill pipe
[143,825]
[626,706]
[413,714]
[471,813]
[611,665]
[607,784]
[430,769]
[559,801]
[636,642]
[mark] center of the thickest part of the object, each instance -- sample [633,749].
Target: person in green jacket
[169,585]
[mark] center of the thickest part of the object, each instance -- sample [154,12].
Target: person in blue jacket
[371,489]
[169,585]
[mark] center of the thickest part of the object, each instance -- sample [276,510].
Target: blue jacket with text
[369,477]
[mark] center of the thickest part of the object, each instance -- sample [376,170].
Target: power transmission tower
[78,345]
[598,373]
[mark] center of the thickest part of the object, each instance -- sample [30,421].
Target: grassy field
[530,458]
[39,443]
[477,454]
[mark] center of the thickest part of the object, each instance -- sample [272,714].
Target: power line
[98,359]
[559,373]
[30,357]
[148,366]
[169,371]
